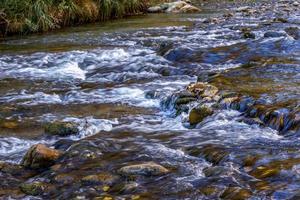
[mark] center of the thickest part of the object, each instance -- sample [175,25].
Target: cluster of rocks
[268,15]
[202,99]
[45,168]
[174,7]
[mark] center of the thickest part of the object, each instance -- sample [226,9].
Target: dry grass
[27,16]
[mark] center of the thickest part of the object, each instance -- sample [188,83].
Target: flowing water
[116,82]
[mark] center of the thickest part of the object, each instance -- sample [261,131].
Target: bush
[25,16]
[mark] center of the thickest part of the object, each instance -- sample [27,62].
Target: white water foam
[226,127]
[89,126]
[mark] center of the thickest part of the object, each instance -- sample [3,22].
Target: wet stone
[61,128]
[34,188]
[215,171]
[40,156]
[144,169]
[101,178]
[198,114]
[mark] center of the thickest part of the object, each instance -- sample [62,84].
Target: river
[117,81]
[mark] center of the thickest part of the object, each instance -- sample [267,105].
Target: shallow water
[116,81]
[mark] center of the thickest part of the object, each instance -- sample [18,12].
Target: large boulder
[144,169]
[40,156]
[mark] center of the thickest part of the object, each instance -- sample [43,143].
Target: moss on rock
[198,114]
[61,128]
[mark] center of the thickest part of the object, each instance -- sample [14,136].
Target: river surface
[116,81]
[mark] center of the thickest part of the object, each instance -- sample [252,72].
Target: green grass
[27,16]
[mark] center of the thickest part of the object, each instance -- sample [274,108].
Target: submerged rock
[101,178]
[64,178]
[15,170]
[271,34]
[34,188]
[198,114]
[293,32]
[236,193]
[145,169]
[40,156]
[61,128]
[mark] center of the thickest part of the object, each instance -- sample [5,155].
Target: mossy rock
[61,128]
[198,114]
[34,188]
[215,171]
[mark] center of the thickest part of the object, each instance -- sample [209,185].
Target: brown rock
[40,156]
[198,114]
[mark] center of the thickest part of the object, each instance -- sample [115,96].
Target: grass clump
[27,16]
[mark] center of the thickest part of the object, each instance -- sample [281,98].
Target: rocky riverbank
[201,99]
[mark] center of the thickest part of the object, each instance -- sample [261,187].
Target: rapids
[116,81]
